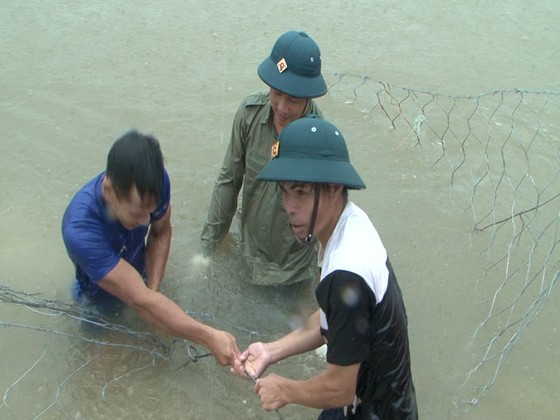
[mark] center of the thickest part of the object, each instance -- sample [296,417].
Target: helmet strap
[309,236]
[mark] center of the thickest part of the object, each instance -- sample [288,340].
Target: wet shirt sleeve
[223,203]
[89,248]
[348,305]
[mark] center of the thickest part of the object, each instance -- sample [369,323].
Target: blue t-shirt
[96,243]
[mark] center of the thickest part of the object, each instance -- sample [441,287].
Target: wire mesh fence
[501,151]
[80,363]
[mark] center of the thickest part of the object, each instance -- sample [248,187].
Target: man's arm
[259,356]
[223,202]
[125,283]
[335,387]
[307,337]
[157,250]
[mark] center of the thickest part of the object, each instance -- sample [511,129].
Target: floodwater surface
[76,75]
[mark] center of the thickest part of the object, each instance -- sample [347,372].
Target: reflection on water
[75,76]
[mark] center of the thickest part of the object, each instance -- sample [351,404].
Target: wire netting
[501,151]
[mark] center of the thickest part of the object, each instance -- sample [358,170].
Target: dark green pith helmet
[294,66]
[311,150]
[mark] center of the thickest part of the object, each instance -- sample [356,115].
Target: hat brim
[291,83]
[312,170]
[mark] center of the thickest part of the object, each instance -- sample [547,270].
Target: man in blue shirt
[117,231]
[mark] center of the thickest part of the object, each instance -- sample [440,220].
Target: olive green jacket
[268,247]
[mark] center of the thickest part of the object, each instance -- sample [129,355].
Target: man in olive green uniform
[268,248]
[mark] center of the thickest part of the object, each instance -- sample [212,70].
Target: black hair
[136,159]
[326,186]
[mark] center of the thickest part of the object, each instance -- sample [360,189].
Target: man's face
[298,200]
[286,108]
[130,210]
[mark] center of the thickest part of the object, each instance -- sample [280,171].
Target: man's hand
[224,348]
[252,362]
[269,390]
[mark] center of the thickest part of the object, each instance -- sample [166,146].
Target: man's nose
[283,104]
[288,204]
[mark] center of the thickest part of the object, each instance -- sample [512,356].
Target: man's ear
[107,188]
[335,188]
